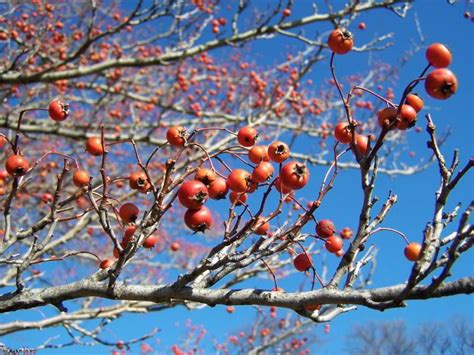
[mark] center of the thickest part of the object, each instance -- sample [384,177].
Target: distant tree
[453,337]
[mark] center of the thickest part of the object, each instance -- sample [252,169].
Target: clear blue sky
[439,23]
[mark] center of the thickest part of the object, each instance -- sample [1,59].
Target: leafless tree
[394,337]
[129,73]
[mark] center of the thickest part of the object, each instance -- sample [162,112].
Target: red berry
[340,41]
[198,220]
[81,178]
[386,115]
[176,136]
[94,146]
[438,55]
[302,262]
[333,244]
[150,242]
[441,84]
[206,176]
[407,117]
[262,172]
[362,143]
[128,235]
[278,152]
[139,181]
[240,197]
[175,246]
[415,101]
[342,133]
[262,228]
[258,153]
[346,233]
[413,251]
[58,111]
[294,175]
[129,212]
[17,165]
[325,228]
[239,180]
[247,136]
[192,194]
[218,189]
[106,263]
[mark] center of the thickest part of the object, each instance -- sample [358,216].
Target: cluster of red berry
[441,83]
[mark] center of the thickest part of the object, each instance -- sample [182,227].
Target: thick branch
[373,298]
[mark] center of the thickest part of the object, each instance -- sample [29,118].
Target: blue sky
[439,23]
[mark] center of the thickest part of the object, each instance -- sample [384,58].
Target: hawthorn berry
[258,153]
[198,220]
[17,165]
[247,136]
[262,226]
[362,143]
[262,172]
[176,136]
[294,175]
[333,244]
[58,111]
[239,180]
[413,251]
[340,41]
[139,181]
[302,262]
[128,234]
[438,55]
[342,133]
[278,151]
[407,117]
[94,146]
[325,228]
[386,115]
[150,241]
[240,197]
[81,178]
[47,197]
[129,212]
[441,84]
[346,233]
[106,263]
[175,246]
[193,194]
[206,176]
[218,189]
[415,101]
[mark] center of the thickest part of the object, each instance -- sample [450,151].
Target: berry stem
[271,273]
[381,229]
[388,102]
[205,152]
[17,131]
[339,89]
